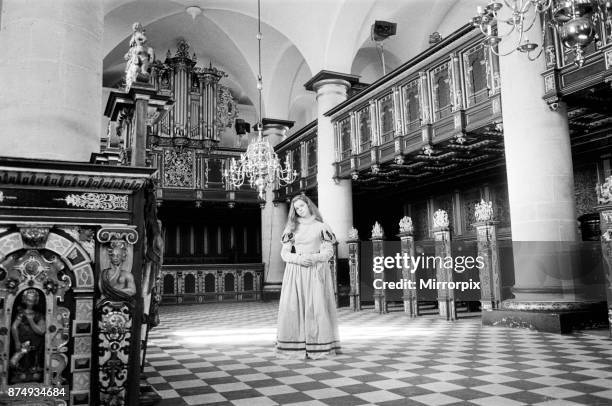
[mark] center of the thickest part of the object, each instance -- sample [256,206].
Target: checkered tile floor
[221,354]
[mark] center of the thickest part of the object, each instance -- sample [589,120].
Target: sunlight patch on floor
[245,334]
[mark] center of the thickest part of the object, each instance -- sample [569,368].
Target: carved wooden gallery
[131,179]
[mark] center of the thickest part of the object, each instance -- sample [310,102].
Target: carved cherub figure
[139,57]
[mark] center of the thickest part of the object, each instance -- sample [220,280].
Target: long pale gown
[307,322]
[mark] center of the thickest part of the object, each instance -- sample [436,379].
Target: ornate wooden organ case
[188,112]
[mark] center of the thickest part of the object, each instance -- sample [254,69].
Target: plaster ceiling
[300,38]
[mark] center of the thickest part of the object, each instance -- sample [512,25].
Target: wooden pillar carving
[380,298]
[490,281]
[442,238]
[411,304]
[353,244]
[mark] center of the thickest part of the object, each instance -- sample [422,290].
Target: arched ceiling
[300,38]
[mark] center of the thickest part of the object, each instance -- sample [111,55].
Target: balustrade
[210,283]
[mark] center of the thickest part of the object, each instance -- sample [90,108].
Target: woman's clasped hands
[306,260]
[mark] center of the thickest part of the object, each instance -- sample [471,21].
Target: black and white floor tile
[221,354]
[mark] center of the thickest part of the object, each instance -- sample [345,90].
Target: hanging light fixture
[574,20]
[260,165]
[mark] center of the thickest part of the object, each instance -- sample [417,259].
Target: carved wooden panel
[441,91]
[501,205]
[475,68]
[296,160]
[445,202]
[411,105]
[420,220]
[178,168]
[344,129]
[386,118]
[364,128]
[214,173]
[311,156]
[585,180]
[469,199]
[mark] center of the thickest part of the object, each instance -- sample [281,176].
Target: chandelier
[574,20]
[259,165]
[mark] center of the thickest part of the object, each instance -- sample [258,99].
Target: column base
[271,291]
[549,319]
[380,304]
[488,305]
[448,309]
[411,307]
[355,303]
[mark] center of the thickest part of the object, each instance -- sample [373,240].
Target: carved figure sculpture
[28,333]
[154,253]
[483,211]
[604,191]
[353,234]
[405,225]
[440,219]
[138,58]
[377,231]
[117,282]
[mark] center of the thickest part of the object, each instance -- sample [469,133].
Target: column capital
[329,77]
[277,124]
[275,130]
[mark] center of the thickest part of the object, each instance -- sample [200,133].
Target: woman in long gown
[307,322]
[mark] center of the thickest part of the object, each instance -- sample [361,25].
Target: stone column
[540,180]
[541,195]
[51,78]
[335,198]
[273,220]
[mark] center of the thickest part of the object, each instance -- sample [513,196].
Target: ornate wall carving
[178,168]
[115,311]
[585,181]
[37,270]
[501,205]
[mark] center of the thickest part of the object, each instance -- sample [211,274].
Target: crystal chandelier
[260,165]
[574,20]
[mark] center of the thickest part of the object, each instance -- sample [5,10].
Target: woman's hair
[292,218]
